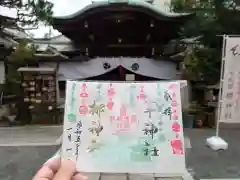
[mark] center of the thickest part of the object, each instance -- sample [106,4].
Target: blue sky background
[62,8]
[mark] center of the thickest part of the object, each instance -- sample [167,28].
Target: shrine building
[106,40]
[114,40]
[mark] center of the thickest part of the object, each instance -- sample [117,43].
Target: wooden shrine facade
[131,28]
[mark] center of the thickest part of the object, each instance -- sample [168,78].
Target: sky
[61,8]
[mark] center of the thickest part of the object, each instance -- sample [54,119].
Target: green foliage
[41,9]
[213,18]
[29,12]
[203,64]
[22,56]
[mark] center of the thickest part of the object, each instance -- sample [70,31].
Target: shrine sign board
[230,82]
[124,127]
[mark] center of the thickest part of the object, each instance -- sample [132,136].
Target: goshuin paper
[124,127]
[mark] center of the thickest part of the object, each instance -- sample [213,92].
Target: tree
[29,12]
[211,21]
[22,56]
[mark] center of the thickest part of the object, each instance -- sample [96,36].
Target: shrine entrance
[121,74]
[116,69]
[117,74]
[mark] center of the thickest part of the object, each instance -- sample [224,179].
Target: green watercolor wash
[149,140]
[120,155]
[123,138]
[136,147]
[139,157]
[161,138]
[95,147]
[72,117]
[159,90]
[137,153]
[72,98]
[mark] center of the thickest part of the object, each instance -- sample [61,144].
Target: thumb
[66,171]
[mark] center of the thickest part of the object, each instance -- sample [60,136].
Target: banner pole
[221,85]
[216,142]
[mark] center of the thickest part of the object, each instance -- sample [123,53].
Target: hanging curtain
[86,69]
[160,69]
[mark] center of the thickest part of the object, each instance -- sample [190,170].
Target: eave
[131,5]
[7,21]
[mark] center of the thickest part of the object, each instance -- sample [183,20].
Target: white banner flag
[230,97]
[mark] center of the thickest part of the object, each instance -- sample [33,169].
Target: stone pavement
[207,163]
[30,136]
[37,136]
[21,163]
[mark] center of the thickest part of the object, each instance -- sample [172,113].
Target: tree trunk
[23,113]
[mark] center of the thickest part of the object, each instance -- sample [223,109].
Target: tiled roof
[139,3]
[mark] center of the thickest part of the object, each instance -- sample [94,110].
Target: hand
[58,169]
